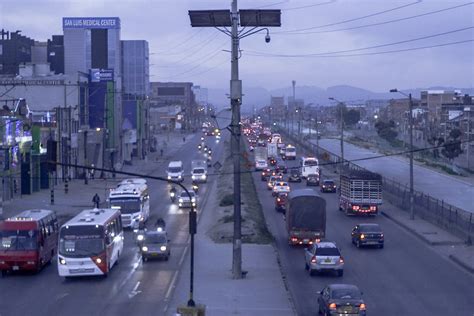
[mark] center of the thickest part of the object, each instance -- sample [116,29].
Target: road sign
[217,165]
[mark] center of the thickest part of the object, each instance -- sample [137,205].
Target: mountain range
[258,97]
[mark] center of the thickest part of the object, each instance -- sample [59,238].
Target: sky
[320,43]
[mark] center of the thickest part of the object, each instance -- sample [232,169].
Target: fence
[453,219]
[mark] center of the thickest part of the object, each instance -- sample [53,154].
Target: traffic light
[52,154]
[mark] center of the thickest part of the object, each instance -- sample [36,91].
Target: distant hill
[258,96]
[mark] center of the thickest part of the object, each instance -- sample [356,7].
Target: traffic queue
[304,211]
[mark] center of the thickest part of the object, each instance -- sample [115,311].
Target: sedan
[155,245]
[328,186]
[324,257]
[266,174]
[281,166]
[271,181]
[341,299]
[295,176]
[280,202]
[185,201]
[280,187]
[312,179]
[261,164]
[367,235]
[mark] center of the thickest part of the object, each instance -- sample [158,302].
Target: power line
[351,20]
[182,42]
[309,6]
[363,48]
[382,23]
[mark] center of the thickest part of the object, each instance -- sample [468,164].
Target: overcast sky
[327,27]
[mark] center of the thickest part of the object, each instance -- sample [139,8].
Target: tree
[351,117]
[452,147]
[385,130]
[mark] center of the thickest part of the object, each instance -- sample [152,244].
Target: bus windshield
[18,240]
[126,205]
[81,241]
[310,162]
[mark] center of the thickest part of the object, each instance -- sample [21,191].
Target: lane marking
[134,291]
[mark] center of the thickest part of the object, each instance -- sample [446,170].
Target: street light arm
[251,32]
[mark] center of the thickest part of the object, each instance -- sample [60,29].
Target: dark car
[155,245]
[367,235]
[295,176]
[281,166]
[341,299]
[272,161]
[328,186]
[266,173]
[280,202]
[312,179]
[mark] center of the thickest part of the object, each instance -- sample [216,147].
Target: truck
[360,192]
[261,156]
[272,150]
[290,152]
[305,217]
[199,171]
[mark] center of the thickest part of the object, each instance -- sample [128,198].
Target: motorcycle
[195,187]
[160,225]
[173,196]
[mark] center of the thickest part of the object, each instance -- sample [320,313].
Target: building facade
[15,49]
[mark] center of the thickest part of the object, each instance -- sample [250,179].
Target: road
[443,187]
[132,288]
[405,278]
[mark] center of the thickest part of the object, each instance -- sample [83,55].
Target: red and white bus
[90,243]
[28,240]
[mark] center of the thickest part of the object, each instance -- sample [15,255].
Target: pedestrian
[184,139]
[161,152]
[92,171]
[96,200]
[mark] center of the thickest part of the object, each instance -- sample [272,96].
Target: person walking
[96,200]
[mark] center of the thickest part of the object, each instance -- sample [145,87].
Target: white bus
[133,201]
[309,165]
[90,243]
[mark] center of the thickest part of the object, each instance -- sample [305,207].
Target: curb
[461,263]
[421,236]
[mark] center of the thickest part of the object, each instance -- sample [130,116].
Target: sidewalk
[79,196]
[448,244]
[262,292]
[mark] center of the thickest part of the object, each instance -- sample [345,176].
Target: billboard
[101,75]
[91,23]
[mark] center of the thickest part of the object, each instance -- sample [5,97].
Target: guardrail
[453,219]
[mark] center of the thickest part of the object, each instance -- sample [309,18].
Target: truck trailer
[360,192]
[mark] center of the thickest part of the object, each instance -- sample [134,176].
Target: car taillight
[278,200]
[313,259]
[332,306]
[373,208]
[341,260]
[294,239]
[355,207]
[362,307]
[362,236]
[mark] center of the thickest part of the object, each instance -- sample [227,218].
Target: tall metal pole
[317,136]
[236,95]
[342,139]
[412,212]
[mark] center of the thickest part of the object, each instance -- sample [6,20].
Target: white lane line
[134,291]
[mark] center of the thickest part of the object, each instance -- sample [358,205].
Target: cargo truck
[305,217]
[360,192]
[272,150]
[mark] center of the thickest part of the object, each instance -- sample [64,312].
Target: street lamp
[342,133]
[252,22]
[410,122]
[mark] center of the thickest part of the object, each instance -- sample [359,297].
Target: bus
[309,165]
[133,201]
[28,241]
[90,243]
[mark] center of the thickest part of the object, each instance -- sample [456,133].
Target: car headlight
[193,200]
[140,237]
[204,176]
[180,200]
[163,248]
[62,261]
[169,177]
[193,177]
[145,248]
[179,177]
[98,260]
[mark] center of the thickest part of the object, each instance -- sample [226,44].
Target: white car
[185,201]
[261,164]
[324,256]
[280,187]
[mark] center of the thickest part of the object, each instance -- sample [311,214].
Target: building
[136,89]
[176,94]
[15,49]
[432,100]
[92,46]
[201,96]
[55,51]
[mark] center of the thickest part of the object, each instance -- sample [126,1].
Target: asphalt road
[132,288]
[443,187]
[407,277]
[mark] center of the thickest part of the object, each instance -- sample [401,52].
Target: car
[282,152]
[251,148]
[281,166]
[280,202]
[266,173]
[261,164]
[367,235]
[322,257]
[272,161]
[185,201]
[155,245]
[312,179]
[280,187]
[271,181]
[341,299]
[295,176]
[328,186]
[261,143]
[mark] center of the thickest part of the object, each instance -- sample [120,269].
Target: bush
[227,200]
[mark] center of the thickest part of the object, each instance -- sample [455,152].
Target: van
[175,171]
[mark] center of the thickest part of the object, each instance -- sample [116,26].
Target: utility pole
[293,83]
[412,211]
[236,95]
[341,165]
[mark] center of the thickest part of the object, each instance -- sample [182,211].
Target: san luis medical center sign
[91,23]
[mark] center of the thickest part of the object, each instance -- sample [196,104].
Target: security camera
[267,38]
